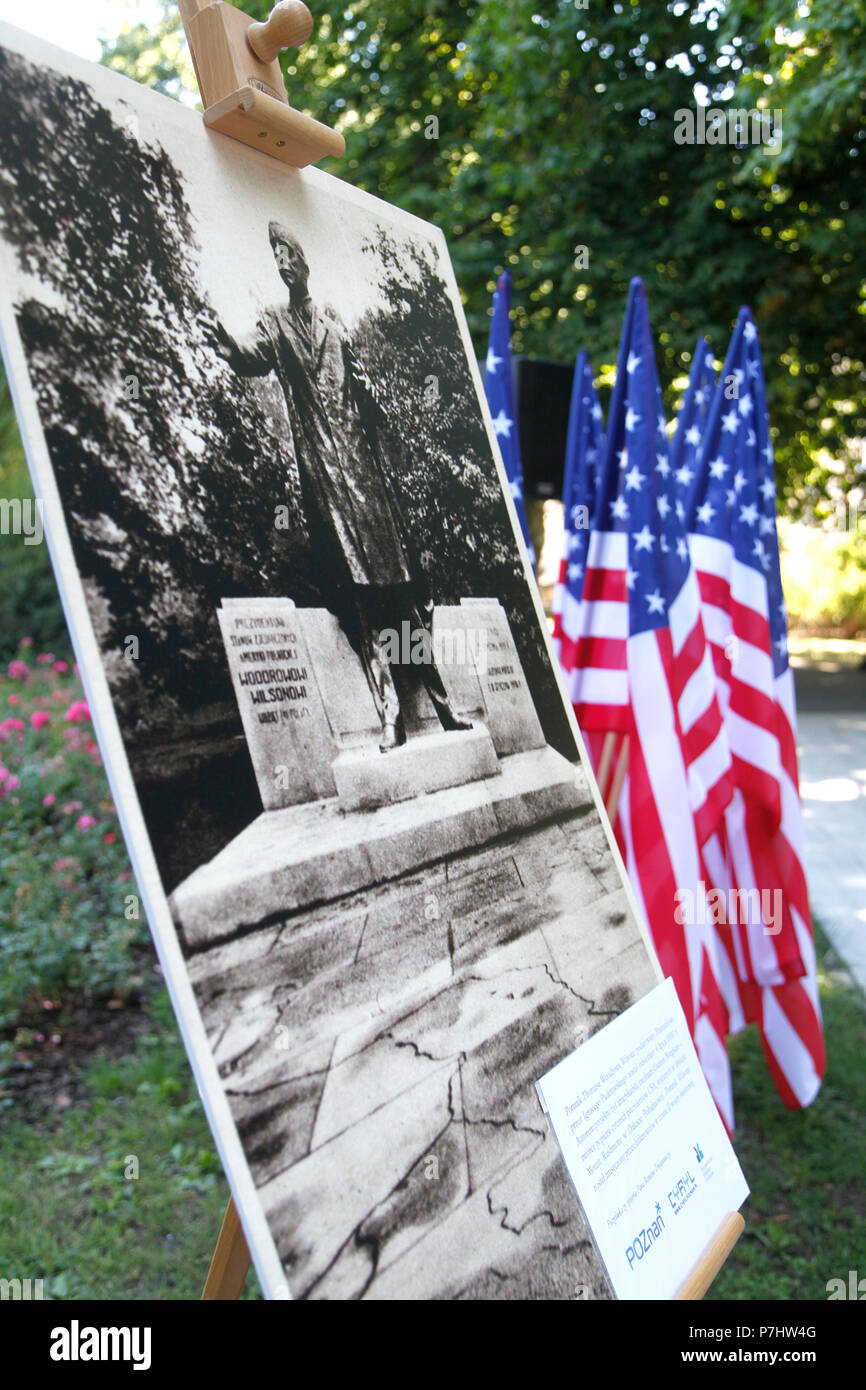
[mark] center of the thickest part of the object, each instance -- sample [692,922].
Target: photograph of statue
[350,511]
[352,789]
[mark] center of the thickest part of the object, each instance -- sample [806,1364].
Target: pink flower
[109,838]
[26,642]
[39,1037]
[58,697]
[14,699]
[17,725]
[60,666]
[45,658]
[49,800]
[18,670]
[55,1038]
[48,1004]
[71,806]
[4,773]
[78,711]
[10,784]
[39,718]
[85,822]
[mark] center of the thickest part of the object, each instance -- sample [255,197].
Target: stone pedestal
[339,814]
[319,852]
[366,778]
[304,702]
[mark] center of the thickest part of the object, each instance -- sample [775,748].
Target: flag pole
[618,778]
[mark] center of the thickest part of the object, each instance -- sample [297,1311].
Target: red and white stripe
[651,698]
[772,978]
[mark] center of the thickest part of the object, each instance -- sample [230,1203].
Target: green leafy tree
[540,135]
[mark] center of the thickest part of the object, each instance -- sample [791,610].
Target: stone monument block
[490,675]
[275,682]
[345,693]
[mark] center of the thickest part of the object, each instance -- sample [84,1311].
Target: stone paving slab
[380,1054]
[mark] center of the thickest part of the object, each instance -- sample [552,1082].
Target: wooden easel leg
[708,1266]
[231,1260]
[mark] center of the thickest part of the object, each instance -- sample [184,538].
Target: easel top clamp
[236,61]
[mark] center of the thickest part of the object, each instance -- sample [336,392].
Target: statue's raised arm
[253,358]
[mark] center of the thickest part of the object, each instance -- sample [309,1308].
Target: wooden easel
[230,1262]
[236,61]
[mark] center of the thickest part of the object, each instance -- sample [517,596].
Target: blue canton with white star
[695,409]
[499,390]
[732,494]
[637,489]
[582,463]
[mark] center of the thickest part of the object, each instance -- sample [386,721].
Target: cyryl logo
[855,1288]
[20,1288]
[76,1343]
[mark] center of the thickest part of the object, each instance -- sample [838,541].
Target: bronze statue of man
[357,535]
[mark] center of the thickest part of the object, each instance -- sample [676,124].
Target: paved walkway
[832,735]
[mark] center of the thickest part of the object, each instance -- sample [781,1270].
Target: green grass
[806,1217]
[69,1214]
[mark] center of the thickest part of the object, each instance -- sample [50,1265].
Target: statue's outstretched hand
[218,339]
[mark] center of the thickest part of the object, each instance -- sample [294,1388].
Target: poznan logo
[645,1239]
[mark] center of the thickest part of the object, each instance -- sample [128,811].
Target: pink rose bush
[66,884]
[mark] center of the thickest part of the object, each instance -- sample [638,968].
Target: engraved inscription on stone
[286,727]
[509,710]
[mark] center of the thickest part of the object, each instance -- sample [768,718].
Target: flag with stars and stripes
[694,410]
[499,390]
[646,676]
[582,460]
[758,854]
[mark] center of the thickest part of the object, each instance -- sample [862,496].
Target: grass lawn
[806,1217]
[70,1215]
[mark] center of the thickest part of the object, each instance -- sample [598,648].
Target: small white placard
[645,1147]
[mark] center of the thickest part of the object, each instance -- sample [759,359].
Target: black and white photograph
[351,785]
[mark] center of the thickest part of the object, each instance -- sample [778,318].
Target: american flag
[730,501]
[499,390]
[645,692]
[582,461]
[695,409]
